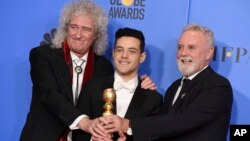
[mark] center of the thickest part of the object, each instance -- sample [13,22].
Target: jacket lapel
[198,80]
[191,90]
[169,96]
[137,100]
[63,72]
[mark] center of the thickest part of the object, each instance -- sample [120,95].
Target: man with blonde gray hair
[197,107]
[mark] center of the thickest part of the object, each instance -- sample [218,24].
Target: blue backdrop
[25,24]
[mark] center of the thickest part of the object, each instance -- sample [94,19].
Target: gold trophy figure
[109,97]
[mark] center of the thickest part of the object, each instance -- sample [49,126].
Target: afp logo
[127,9]
[239,132]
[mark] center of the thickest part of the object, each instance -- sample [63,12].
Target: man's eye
[73,27]
[191,47]
[179,47]
[132,52]
[118,50]
[87,29]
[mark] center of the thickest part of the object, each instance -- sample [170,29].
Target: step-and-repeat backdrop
[26,24]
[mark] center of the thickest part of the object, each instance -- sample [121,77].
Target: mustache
[185,59]
[77,39]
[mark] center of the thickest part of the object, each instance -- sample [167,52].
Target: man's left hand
[147,83]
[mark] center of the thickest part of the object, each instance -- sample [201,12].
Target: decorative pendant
[78,69]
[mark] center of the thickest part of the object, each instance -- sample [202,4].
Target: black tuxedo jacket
[201,114]
[52,109]
[144,103]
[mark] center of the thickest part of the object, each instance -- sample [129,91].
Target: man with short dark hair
[131,100]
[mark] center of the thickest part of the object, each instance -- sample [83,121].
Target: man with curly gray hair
[98,27]
[60,71]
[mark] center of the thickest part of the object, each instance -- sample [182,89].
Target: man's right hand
[94,127]
[115,123]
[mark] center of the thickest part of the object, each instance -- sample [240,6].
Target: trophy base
[107,114]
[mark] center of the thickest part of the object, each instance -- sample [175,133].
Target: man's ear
[210,53]
[143,57]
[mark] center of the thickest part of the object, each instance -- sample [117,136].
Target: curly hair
[86,7]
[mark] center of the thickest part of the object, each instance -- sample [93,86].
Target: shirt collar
[192,76]
[74,57]
[119,83]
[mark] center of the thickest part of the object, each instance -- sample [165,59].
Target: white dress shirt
[73,126]
[124,93]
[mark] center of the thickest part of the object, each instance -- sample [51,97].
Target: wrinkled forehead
[82,18]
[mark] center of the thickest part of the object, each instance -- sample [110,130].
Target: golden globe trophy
[109,97]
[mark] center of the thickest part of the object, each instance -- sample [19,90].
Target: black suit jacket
[52,109]
[144,103]
[202,114]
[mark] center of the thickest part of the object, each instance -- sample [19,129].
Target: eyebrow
[72,24]
[128,48]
